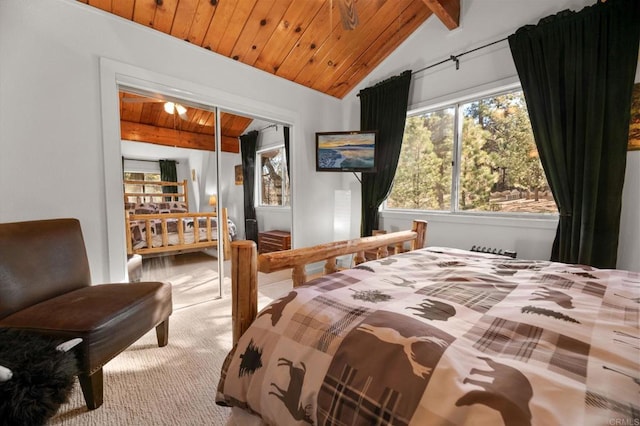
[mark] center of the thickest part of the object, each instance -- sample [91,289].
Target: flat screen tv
[352,151]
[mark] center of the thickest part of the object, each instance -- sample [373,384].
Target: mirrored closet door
[184,186]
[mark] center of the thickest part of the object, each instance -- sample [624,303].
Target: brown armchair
[45,287]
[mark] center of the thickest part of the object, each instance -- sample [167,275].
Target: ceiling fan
[169,106]
[174,108]
[348,14]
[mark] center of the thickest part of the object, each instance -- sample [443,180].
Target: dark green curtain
[286,147]
[168,173]
[577,71]
[248,145]
[383,107]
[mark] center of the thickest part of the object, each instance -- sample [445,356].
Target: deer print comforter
[444,336]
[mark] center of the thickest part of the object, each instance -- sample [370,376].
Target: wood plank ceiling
[144,119]
[326,45]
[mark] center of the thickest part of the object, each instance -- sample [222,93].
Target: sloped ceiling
[326,45]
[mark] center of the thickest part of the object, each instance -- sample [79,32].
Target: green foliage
[498,154]
[476,175]
[424,180]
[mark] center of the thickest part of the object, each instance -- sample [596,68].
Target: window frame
[258,177]
[456,103]
[150,182]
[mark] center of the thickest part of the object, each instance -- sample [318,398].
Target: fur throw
[42,377]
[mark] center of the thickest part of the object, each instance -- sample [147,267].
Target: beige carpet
[174,385]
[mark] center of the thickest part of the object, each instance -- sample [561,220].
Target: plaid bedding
[445,336]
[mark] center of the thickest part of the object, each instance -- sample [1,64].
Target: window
[476,156]
[142,188]
[273,187]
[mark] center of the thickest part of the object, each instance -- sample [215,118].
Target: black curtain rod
[141,159]
[271,125]
[455,58]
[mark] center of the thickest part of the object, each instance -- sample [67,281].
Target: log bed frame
[179,194]
[246,263]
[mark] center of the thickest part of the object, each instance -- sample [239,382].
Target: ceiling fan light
[169,107]
[181,110]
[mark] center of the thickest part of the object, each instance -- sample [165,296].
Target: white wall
[53,161]
[232,194]
[482,22]
[629,243]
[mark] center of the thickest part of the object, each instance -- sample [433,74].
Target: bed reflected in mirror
[182,210]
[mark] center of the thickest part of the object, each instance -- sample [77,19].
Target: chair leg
[162,333]
[92,388]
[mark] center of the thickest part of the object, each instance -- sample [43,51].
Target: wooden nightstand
[274,241]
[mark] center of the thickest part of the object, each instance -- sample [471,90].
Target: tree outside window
[273,188]
[142,188]
[423,176]
[498,168]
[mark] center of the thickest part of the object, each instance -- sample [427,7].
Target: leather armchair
[45,287]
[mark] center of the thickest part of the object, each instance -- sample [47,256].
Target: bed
[162,223]
[439,336]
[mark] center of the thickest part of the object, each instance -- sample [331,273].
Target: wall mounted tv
[353,151]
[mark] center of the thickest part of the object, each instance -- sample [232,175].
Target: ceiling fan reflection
[173,108]
[169,107]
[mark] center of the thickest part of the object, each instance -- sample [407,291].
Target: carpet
[174,385]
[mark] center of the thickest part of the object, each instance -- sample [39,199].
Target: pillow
[42,377]
[178,207]
[144,211]
[146,208]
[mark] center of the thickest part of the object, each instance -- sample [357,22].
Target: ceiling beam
[448,11]
[169,137]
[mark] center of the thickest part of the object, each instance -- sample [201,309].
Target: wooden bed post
[420,228]
[298,275]
[127,228]
[246,263]
[244,286]
[226,239]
